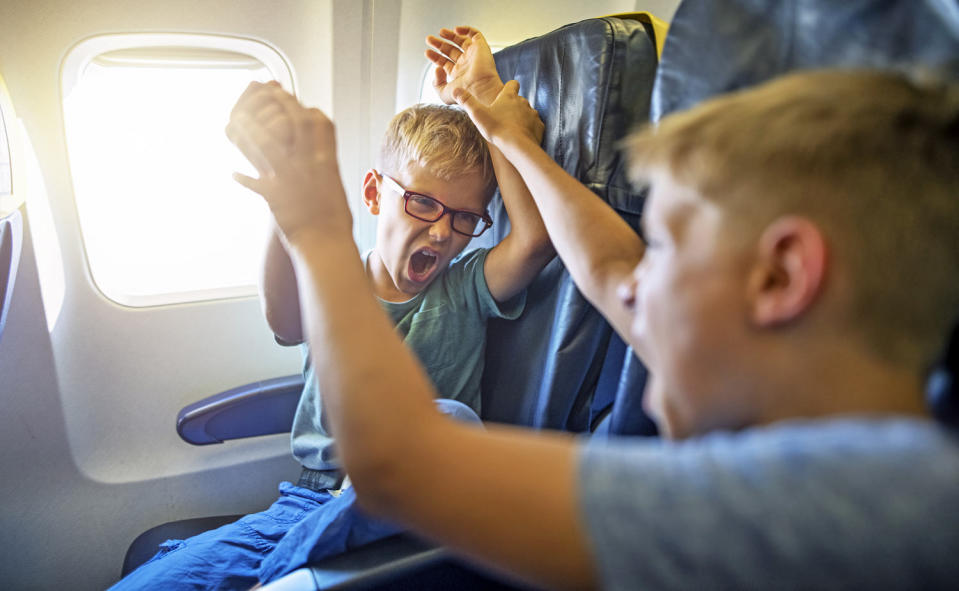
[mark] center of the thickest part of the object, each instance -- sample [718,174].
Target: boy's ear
[789,272]
[371,191]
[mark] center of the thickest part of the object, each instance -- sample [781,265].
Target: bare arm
[278,291]
[374,390]
[513,263]
[277,282]
[598,247]
[464,61]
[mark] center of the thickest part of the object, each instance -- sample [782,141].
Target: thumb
[249,182]
[478,112]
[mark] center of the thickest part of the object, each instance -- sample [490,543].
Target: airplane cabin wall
[90,456]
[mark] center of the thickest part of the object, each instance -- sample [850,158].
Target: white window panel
[161,218]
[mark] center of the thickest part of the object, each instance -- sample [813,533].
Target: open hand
[463,60]
[508,116]
[299,178]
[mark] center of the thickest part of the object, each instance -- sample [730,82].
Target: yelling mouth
[422,264]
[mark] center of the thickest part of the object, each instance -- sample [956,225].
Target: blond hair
[870,157]
[441,139]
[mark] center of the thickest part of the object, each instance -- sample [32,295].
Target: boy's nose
[441,229]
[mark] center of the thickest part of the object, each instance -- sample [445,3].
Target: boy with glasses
[433,181]
[430,190]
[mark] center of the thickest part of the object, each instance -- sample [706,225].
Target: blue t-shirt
[847,503]
[444,325]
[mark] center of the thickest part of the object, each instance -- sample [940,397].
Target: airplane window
[162,220]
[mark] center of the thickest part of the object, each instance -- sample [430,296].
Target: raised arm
[278,291]
[598,247]
[277,286]
[374,389]
[464,61]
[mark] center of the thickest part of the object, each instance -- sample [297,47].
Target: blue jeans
[301,526]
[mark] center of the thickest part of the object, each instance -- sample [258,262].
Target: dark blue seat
[560,366]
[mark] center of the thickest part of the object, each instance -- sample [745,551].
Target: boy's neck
[845,384]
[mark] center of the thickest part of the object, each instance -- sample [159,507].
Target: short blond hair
[871,157]
[440,138]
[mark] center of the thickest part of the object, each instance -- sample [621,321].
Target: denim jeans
[228,557]
[302,526]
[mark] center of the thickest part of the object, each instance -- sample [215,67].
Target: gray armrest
[401,561]
[260,408]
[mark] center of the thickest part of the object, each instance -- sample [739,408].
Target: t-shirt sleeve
[468,277]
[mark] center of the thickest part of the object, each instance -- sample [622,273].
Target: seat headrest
[586,104]
[723,45]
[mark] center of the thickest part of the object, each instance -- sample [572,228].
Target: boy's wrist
[486,90]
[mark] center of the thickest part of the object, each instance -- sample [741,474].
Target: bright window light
[161,218]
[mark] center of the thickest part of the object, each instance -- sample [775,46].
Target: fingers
[439,77]
[254,143]
[290,108]
[466,31]
[453,37]
[511,88]
[320,136]
[250,183]
[438,59]
[444,47]
[470,35]
[270,110]
[254,98]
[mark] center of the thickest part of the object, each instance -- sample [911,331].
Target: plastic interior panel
[11,243]
[260,408]
[400,562]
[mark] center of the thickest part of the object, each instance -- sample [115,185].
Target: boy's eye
[466,222]
[423,203]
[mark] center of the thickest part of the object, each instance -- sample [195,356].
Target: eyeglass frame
[484,217]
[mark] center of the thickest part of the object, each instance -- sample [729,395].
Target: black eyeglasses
[427,209]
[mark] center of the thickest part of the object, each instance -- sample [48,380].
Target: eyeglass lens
[430,210]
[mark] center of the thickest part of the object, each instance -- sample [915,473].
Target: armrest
[400,561]
[260,408]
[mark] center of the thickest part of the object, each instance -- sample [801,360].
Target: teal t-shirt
[444,325]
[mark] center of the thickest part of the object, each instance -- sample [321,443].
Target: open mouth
[422,264]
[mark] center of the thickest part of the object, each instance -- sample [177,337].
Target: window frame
[82,54]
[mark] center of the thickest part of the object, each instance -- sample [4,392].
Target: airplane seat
[11,241]
[751,41]
[591,82]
